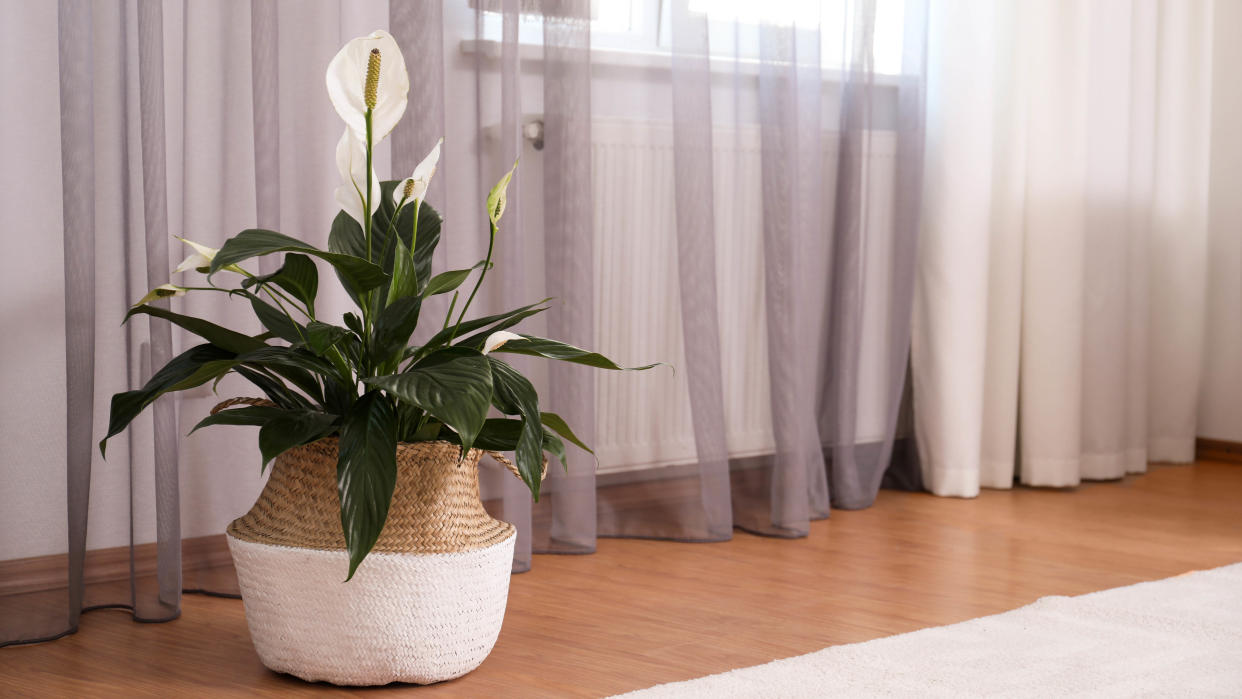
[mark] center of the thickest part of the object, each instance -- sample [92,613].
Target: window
[642,26]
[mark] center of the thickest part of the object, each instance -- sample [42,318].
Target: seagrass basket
[426,605]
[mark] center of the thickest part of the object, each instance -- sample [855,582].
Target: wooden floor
[642,612]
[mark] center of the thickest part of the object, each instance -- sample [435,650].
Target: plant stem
[487,263]
[366,220]
[449,316]
[366,215]
[418,205]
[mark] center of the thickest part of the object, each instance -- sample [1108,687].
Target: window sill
[490,49]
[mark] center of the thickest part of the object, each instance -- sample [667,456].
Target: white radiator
[643,419]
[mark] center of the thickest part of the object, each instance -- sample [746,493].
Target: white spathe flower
[498,338]
[415,186]
[200,260]
[346,79]
[351,162]
[163,291]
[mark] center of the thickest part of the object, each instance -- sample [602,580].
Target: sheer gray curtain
[837,290]
[115,221]
[201,119]
[139,120]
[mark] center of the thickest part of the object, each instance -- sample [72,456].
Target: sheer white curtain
[1059,307]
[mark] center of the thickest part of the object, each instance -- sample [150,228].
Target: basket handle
[256,402]
[504,461]
[264,403]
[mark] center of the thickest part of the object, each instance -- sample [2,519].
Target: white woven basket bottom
[403,618]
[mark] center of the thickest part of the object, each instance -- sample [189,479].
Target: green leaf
[321,337]
[498,434]
[554,444]
[353,322]
[513,394]
[276,320]
[280,429]
[223,338]
[347,236]
[358,274]
[366,473]
[292,429]
[558,424]
[404,275]
[254,415]
[502,434]
[440,338]
[429,431]
[454,385]
[393,329]
[279,358]
[127,405]
[208,371]
[338,396]
[448,281]
[552,349]
[478,339]
[298,276]
[275,390]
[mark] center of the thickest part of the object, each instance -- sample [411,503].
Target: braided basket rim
[435,506]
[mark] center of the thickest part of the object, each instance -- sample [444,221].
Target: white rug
[1176,637]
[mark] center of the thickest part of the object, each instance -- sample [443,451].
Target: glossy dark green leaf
[439,339]
[275,320]
[359,274]
[275,389]
[454,385]
[221,337]
[209,371]
[354,323]
[552,349]
[429,430]
[553,444]
[293,364]
[338,396]
[445,282]
[513,394]
[393,329]
[558,424]
[497,434]
[275,357]
[127,405]
[347,236]
[404,275]
[253,415]
[292,429]
[478,339]
[320,336]
[366,473]
[297,275]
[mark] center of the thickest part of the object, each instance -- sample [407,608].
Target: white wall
[32,344]
[1220,398]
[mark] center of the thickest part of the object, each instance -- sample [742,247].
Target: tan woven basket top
[435,506]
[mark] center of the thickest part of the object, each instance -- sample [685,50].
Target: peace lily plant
[362,381]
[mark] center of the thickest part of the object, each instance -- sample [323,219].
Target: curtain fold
[1069,160]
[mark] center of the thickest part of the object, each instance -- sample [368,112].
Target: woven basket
[426,605]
